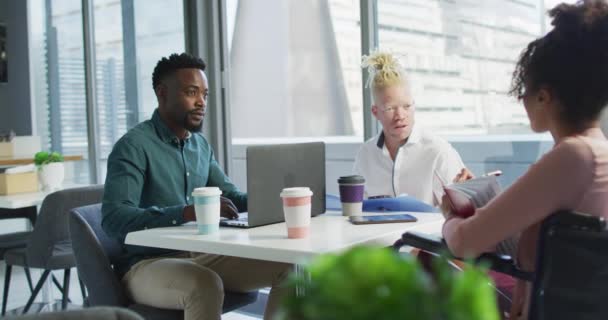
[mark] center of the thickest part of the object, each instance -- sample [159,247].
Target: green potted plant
[367,283]
[51,171]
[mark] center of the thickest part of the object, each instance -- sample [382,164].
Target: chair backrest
[571,279]
[94,251]
[51,229]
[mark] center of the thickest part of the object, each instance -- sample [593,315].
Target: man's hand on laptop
[189,213]
[228,209]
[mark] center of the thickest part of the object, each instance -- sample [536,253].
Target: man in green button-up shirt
[152,172]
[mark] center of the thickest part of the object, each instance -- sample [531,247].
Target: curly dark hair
[167,66]
[571,61]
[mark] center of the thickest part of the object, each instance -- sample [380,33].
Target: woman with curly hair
[562,79]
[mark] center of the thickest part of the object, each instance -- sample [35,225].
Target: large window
[58,79]
[459,56]
[295,69]
[130,37]
[294,66]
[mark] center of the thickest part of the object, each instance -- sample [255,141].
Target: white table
[30,199]
[330,233]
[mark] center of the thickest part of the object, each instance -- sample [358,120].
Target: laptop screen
[271,168]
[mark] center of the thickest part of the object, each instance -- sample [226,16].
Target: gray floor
[19,293]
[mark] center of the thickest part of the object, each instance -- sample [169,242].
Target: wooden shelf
[4,161]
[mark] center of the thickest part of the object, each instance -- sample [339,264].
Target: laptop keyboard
[241,221]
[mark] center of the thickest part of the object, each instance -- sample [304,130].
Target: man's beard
[190,127]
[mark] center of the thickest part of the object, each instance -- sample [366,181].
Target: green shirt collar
[164,132]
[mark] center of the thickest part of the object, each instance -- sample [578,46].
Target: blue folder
[401,203]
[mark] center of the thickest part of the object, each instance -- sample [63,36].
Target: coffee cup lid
[296,192]
[351,179]
[207,191]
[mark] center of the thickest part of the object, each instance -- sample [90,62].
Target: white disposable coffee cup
[297,208]
[207,208]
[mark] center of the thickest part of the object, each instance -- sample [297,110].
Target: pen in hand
[493,173]
[464,175]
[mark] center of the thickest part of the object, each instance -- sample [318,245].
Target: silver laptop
[270,168]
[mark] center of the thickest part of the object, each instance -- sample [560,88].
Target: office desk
[24,205]
[15,161]
[330,233]
[30,199]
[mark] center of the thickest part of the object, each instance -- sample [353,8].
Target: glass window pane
[295,69]
[58,81]
[130,37]
[460,56]
[159,26]
[110,63]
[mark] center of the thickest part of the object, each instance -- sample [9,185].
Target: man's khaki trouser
[196,283]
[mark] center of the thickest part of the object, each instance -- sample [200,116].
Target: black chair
[571,275]
[18,239]
[49,246]
[95,251]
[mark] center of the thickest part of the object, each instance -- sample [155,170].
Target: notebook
[465,197]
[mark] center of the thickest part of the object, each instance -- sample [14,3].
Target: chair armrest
[576,219]
[504,264]
[436,245]
[426,242]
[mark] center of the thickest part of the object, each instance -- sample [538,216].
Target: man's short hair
[167,66]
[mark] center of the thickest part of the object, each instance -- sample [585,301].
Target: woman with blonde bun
[404,158]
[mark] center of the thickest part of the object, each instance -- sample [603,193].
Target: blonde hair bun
[384,69]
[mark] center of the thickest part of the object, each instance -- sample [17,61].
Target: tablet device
[388,218]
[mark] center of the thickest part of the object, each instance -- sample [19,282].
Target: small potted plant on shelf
[379,284]
[50,169]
